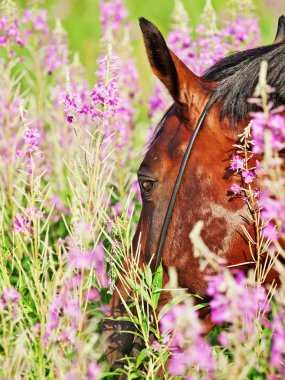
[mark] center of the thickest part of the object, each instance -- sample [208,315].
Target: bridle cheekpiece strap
[169,211]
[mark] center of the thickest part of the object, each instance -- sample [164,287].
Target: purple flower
[112,14]
[248,176]
[188,350]
[237,163]
[273,212]
[67,335]
[234,301]
[261,126]
[101,272]
[94,371]
[22,224]
[57,54]
[9,301]
[277,357]
[156,100]
[73,281]
[236,189]
[198,357]
[40,22]
[79,259]
[92,295]
[63,319]
[11,295]
[106,95]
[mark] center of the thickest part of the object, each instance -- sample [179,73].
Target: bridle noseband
[169,211]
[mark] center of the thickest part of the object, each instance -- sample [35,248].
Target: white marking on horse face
[233,220]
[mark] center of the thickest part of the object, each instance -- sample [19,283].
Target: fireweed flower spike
[268,131]
[181,330]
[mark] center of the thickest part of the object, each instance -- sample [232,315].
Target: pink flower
[188,349]
[67,335]
[248,176]
[277,357]
[11,295]
[112,14]
[40,22]
[237,163]
[233,301]
[78,259]
[92,295]
[94,371]
[74,281]
[22,224]
[236,189]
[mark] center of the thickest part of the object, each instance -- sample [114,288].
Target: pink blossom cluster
[9,110]
[157,102]
[23,221]
[59,207]
[21,30]
[238,303]
[57,54]
[9,302]
[94,372]
[16,31]
[123,88]
[65,312]
[112,14]
[268,132]
[30,154]
[90,259]
[125,84]
[10,33]
[241,166]
[273,212]
[273,126]
[182,331]
[63,319]
[244,31]
[105,94]
[36,20]
[90,107]
[277,355]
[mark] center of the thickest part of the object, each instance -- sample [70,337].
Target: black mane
[237,77]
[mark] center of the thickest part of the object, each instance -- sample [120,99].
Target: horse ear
[280,34]
[171,71]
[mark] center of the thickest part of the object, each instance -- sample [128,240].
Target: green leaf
[156,286]
[148,275]
[143,293]
[132,319]
[133,284]
[172,303]
[70,355]
[141,357]
[201,306]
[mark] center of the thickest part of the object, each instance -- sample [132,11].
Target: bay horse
[217,102]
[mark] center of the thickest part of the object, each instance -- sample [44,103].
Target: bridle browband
[175,190]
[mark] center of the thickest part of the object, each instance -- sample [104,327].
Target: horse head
[204,193]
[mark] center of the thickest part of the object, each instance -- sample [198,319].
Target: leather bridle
[182,168]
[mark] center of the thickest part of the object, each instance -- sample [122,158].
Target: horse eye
[146,185]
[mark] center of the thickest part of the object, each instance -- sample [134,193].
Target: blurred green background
[80,19]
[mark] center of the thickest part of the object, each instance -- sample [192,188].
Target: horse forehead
[171,140]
